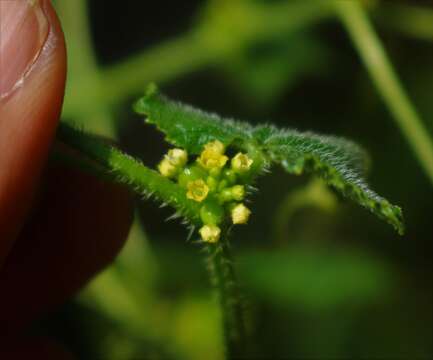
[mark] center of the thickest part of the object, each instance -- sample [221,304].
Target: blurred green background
[322,277]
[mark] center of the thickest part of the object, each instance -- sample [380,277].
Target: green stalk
[161,63]
[386,80]
[85,82]
[224,279]
[209,43]
[410,20]
[126,170]
[121,168]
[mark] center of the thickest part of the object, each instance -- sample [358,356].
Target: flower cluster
[214,182]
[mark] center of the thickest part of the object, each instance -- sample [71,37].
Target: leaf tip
[393,215]
[151,90]
[140,106]
[398,220]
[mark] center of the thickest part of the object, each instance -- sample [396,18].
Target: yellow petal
[215,146]
[197,190]
[241,162]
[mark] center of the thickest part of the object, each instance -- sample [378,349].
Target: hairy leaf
[341,163]
[186,126]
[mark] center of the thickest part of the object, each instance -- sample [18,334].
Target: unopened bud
[240,214]
[238,192]
[215,146]
[178,157]
[210,233]
[235,193]
[166,168]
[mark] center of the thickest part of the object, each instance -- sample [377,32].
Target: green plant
[207,189]
[206,44]
[261,52]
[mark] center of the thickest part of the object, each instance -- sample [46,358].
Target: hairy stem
[224,279]
[386,80]
[126,170]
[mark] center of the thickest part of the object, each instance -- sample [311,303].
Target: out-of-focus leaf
[265,71]
[315,279]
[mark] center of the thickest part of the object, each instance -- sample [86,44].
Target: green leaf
[263,71]
[186,126]
[341,163]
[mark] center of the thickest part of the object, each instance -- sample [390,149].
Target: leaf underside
[340,163]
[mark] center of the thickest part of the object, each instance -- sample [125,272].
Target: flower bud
[235,193]
[215,146]
[238,192]
[241,163]
[166,168]
[197,190]
[210,233]
[212,157]
[240,214]
[178,157]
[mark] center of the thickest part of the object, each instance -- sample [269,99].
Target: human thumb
[32,82]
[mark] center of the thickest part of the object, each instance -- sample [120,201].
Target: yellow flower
[177,157]
[240,214]
[215,146]
[197,190]
[241,163]
[210,233]
[166,168]
[212,157]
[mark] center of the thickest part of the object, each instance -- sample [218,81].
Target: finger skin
[28,119]
[78,227]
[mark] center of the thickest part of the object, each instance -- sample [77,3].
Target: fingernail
[23,31]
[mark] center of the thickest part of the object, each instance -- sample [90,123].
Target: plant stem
[410,20]
[126,170]
[386,80]
[84,90]
[163,62]
[224,279]
[196,49]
